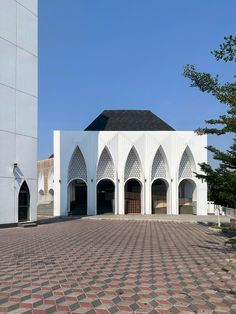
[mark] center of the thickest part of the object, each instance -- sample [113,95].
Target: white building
[128,161]
[45,187]
[18,110]
[45,181]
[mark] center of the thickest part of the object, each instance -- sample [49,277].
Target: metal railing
[229,212]
[222,210]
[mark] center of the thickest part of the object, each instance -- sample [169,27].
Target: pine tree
[222,180]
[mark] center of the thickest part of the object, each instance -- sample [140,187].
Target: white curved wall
[18,105]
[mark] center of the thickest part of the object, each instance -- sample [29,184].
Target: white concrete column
[32,184]
[148,197]
[57,173]
[201,198]
[121,197]
[116,200]
[169,198]
[64,197]
[92,198]
[174,197]
[143,197]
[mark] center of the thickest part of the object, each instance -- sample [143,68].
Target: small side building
[45,186]
[129,162]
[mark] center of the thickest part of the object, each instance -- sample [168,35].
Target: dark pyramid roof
[128,120]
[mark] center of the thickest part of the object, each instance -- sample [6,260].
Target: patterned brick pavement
[88,266]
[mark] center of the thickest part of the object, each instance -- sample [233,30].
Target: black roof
[128,120]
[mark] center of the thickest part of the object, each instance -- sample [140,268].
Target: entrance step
[186,209]
[27,224]
[77,213]
[45,209]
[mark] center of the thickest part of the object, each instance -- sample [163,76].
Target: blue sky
[128,54]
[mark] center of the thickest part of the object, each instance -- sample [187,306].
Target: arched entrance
[77,191]
[51,195]
[159,197]
[41,196]
[187,197]
[105,197]
[23,203]
[133,197]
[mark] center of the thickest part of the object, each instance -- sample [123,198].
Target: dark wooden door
[132,203]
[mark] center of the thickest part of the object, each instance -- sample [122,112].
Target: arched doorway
[159,197]
[41,196]
[23,203]
[77,191]
[105,197]
[51,195]
[133,197]
[187,197]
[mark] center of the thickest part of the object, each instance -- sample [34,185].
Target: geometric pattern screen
[185,167]
[132,166]
[77,167]
[158,166]
[105,169]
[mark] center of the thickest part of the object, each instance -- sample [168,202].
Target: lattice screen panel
[185,167]
[77,167]
[105,167]
[132,166]
[158,166]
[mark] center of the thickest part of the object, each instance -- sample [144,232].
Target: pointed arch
[40,181]
[105,196]
[159,165]
[51,195]
[187,197]
[133,196]
[133,167]
[77,197]
[187,164]
[50,178]
[23,202]
[40,195]
[160,196]
[77,166]
[105,168]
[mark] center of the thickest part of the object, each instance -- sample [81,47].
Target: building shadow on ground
[51,220]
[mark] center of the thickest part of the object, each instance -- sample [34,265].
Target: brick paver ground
[99,266]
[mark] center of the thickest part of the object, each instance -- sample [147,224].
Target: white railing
[229,212]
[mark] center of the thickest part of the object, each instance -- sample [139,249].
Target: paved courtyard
[113,266]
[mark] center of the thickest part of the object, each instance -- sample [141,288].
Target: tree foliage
[227,50]
[221,181]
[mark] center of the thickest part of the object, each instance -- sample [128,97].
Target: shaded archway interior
[133,197]
[23,203]
[51,195]
[187,197]
[159,197]
[105,197]
[41,195]
[78,197]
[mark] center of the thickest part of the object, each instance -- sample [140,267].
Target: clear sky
[128,54]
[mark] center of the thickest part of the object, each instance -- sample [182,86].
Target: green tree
[222,180]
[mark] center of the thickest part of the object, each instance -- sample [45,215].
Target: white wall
[18,104]
[119,144]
